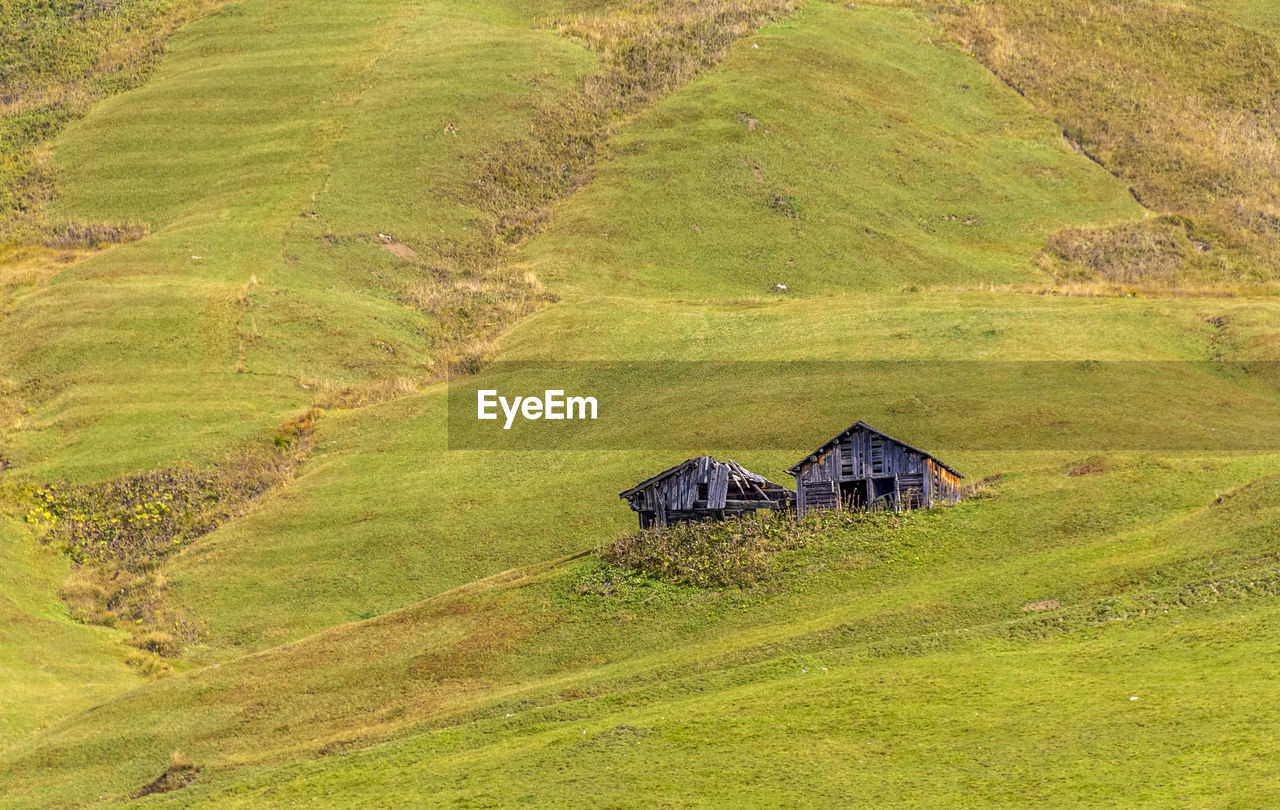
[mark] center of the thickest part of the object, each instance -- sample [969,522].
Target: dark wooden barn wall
[861,454]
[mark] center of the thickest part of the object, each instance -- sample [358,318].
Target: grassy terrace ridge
[397,622]
[61,56]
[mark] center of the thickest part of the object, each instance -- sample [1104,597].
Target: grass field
[463,675]
[52,666]
[406,621]
[872,169]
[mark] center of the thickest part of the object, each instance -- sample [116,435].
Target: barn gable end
[864,468]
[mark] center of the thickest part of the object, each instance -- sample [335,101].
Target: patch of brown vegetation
[119,532]
[1144,252]
[329,395]
[1174,100]
[399,249]
[1093,466]
[32,266]
[94,235]
[178,775]
[1047,604]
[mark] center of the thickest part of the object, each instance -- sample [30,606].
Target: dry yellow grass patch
[1177,102]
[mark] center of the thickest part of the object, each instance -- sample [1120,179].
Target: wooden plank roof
[667,473]
[734,467]
[860,425]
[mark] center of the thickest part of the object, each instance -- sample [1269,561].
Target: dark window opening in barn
[702,492]
[880,492]
[884,492]
[854,494]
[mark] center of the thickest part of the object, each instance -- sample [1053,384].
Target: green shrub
[735,553]
[158,642]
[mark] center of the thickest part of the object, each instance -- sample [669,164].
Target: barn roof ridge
[861,424]
[655,478]
[734,467]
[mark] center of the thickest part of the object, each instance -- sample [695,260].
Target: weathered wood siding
[862,454]
[820,495]
[703,488]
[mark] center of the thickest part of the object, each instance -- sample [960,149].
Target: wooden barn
[703,489]
[862,468]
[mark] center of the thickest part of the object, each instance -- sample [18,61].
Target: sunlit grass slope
[342,544]
[1258,14]
[51,666]
[507,676]
[842,150]
[60,56]
[355,650]
[274,145]
[385,514]
[1149,715]
[909,326]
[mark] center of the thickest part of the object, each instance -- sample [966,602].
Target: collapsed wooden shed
[863,468]
[703,489]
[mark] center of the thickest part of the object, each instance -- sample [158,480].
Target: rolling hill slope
[404,620]
[512,668]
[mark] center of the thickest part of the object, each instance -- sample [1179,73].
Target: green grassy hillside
[61,56]
[53,667]
[1177,100]
[509,670]
[379,527]
[249,155]
[889,165]
[399,620]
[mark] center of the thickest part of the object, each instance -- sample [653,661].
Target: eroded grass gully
[119,533]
